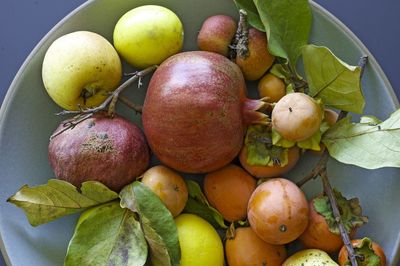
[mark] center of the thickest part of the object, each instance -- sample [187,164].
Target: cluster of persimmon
[276,208]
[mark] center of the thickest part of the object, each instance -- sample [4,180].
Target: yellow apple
[80,69]
[147,35]
[310,257]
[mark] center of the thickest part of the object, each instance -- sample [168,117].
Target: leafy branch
[335,209]
[83,114]
[321,170]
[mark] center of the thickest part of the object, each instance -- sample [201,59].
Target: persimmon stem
[110,102]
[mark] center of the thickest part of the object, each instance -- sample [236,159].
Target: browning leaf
[107,235]
[157,223]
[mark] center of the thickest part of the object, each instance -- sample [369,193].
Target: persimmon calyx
[351,212]
[260,150]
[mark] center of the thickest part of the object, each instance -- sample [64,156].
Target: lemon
[200,243]
[147,35]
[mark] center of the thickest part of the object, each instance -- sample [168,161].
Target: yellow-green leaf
[366,145]
[332,80]
[57,198]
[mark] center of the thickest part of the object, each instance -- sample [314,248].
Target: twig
[127,102]
[72,123]
[315,172]
[336,212]
[115,94]
[83,114]
[362,63]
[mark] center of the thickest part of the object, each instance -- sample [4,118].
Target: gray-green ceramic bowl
[27,120]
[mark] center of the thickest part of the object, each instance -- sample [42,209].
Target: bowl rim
[4,108]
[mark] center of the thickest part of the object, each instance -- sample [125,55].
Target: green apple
[80,69]
[147,35]
[310,257]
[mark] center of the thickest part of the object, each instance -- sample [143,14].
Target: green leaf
[198,204]
[364,248]
[194,191]
[335,82]
[107,235]
[281,72]
[252,14]
[157,223]
[365,145]
[312,143]
[260,151]
[208,213]
[370,120]
[278,140]
[290,88]
[57,198]
[351,212]
[288,26]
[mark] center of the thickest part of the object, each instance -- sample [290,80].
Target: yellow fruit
[310,257]
[80,69]
[147,35]
[200,243]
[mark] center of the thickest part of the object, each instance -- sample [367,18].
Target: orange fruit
[228,190]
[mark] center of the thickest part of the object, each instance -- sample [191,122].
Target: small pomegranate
[196,111]
[112,151]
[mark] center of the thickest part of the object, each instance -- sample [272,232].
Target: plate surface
[27,121]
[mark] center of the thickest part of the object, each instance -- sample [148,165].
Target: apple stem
[83,114]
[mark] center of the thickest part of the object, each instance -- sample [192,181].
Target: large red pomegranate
[196,111]
[113,151]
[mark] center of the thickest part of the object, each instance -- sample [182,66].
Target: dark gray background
[24,22]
